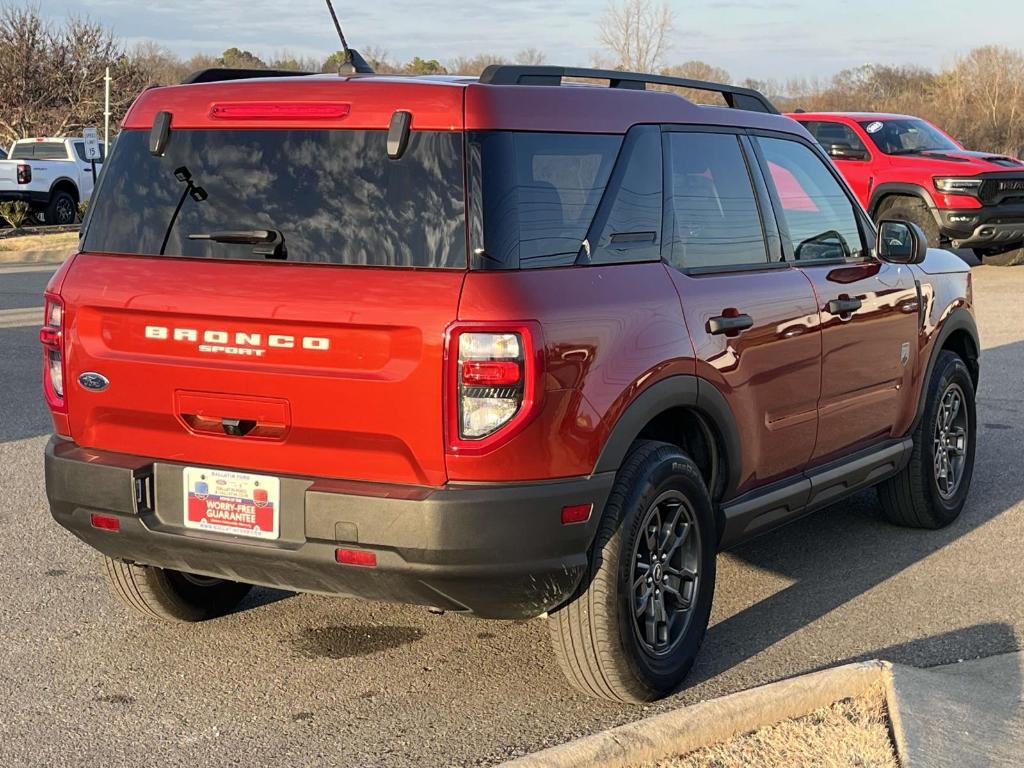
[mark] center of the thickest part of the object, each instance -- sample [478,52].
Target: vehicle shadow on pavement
[948,647]
[261,596]
[834,556]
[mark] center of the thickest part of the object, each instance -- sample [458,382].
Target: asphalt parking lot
[305,680]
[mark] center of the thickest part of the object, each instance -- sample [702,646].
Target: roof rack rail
[516,74]
[219,74]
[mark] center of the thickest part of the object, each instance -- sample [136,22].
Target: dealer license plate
[232,502]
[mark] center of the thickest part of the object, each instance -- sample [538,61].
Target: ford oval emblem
[94,382]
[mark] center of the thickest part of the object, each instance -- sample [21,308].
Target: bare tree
[25,67]
[159,65]
[637,34]
[697,70]
[473,65]
[51,79]
[532,56]
[983,96]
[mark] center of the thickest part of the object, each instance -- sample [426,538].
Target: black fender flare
[67,180]
[959,320]
[680,391]
[904,190]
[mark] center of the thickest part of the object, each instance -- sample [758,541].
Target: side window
[628,223]
[534,195]
[715,218]
[827,134]
[817,211]
[80,151]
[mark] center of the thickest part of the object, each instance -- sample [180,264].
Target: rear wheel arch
[64,184]
[687,412]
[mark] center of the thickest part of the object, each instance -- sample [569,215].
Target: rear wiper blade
[268,242]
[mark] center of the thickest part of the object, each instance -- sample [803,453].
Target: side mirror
[846,152]
[901,242]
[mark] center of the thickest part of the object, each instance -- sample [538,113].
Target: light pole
[106,112]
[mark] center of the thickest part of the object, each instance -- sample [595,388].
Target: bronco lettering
[237,343]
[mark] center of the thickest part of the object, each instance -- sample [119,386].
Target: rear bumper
[33,198]
[496,551]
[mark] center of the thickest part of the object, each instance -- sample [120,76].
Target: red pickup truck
[503,345]
[903,167]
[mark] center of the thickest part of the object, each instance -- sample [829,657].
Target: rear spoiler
[220,74]
[514,74]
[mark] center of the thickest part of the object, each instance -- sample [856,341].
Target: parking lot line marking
[21,318]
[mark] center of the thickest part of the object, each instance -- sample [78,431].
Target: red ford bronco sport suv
[508,345]
[905,168]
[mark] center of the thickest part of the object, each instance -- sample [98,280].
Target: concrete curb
[718,720]
[38,256]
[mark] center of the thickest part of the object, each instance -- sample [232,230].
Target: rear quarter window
[535,195]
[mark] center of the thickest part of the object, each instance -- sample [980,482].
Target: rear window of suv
[334,196]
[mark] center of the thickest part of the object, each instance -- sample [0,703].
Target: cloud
[756,38]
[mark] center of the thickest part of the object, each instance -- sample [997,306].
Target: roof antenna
[353,62]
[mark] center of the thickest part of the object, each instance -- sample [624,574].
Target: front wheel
[634,627]
[931,490]
[1014,257]
[173,596]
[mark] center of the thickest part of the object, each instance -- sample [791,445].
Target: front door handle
[729,323]
[844,305]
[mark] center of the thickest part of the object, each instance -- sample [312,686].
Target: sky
[762,39]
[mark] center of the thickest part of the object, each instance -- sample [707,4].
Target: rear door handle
[730,324]
[844,305]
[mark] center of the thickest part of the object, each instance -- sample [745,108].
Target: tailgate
[9,174]
[300,369]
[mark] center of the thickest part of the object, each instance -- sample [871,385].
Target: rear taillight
[24,173]
[51,335]
[493,375]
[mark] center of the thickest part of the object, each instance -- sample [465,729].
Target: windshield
[332,196]
[907,136]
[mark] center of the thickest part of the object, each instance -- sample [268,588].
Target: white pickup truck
[51,175]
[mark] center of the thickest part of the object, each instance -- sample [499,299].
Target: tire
[172,596]
[62,209]
[914,211]
[915,497]
[595,637]
[1011,258]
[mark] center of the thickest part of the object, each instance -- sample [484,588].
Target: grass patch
[11,246]
[853,733]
